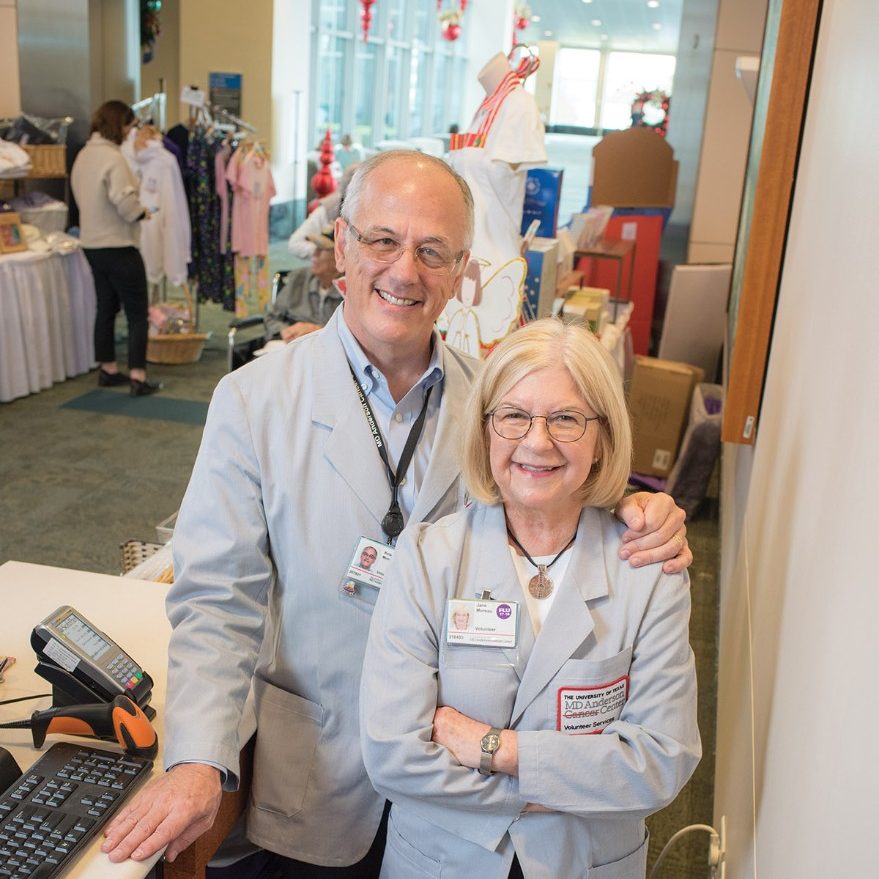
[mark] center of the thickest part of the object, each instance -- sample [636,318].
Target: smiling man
[349,432]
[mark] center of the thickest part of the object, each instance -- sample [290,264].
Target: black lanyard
[392,523]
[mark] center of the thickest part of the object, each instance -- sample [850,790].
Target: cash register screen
[84,636]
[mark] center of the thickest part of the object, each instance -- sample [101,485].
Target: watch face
[491,742]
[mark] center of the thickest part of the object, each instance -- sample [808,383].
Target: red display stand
[605,273]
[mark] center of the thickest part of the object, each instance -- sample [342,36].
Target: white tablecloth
[47,316]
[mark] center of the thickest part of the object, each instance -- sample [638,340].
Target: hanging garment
[224,193]
[253,187]
[505,139]
[204,209]
[164,238]
[251,285]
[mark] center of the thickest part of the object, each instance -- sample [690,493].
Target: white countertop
[131,611]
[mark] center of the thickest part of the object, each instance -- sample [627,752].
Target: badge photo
[367,568]
[482,623]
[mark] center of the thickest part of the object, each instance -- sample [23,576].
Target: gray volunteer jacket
[610,627]
[286,480]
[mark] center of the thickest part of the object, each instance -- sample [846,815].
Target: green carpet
[154,408]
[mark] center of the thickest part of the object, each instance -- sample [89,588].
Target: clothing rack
[226,116]
[152,109]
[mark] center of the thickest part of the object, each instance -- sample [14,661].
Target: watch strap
[493,736]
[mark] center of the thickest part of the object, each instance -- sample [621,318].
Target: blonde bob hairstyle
[538,345]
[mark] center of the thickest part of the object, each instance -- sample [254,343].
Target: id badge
[482,622]
[366,570]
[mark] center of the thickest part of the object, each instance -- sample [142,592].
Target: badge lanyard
[392,523]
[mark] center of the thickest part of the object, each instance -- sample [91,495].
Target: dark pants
[265,865]
[120,280]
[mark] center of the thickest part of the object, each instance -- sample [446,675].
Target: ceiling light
[657,26]
[596,22]
[547,33]
[587,1]
[653,3]
[535,18]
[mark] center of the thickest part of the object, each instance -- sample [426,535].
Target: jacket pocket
[588,695]
[404,861]
[595,672]
[288,729]
[633,866]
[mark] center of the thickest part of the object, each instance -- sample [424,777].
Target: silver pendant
[540,585]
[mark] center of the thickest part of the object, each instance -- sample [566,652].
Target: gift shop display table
[47,316]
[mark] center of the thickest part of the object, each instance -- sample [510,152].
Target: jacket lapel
[444,467]
[495,572]
[350,448]
[569,622]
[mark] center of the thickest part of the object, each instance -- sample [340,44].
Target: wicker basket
[47,160]
[134,552]
[172,348]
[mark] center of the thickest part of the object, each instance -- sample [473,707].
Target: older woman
[537,742]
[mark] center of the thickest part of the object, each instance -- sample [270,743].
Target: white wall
[487,34]
[799,512]
[291,62]
[10,94]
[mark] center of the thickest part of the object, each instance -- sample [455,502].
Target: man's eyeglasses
[383,248]
[565,427]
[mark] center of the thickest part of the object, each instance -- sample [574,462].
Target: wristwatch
[491,741]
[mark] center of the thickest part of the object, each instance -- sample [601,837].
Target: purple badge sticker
[504,611]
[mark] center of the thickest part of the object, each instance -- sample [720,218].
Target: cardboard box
[634,168]
[540,281]
[588,305]
[659,401]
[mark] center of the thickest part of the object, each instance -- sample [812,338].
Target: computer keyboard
[52,811]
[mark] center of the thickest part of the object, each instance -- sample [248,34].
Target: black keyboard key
[47,824]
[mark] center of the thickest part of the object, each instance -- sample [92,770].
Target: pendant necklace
[540,585]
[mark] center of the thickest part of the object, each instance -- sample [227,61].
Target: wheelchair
[238,351]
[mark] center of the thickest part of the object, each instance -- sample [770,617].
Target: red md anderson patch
[588,710]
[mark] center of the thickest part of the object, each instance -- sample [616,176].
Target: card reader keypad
[126,672]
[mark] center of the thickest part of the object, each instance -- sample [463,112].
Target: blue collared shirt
[394,419]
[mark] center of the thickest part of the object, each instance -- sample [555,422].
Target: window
[626,75]
[575,87]
[329,86]
[364,90]
[405,81]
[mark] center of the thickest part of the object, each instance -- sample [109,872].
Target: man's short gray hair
[354,192]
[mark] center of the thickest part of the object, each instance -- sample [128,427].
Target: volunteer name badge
[482,622]
[588,710]
[366,570]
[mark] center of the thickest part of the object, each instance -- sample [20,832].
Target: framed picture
[11,237]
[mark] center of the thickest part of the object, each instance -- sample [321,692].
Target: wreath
[650,110]
[149,27]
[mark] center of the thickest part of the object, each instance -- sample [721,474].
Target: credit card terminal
[84,664]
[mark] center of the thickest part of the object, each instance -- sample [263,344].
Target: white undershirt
[538,608]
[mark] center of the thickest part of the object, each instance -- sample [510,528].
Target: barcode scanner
[120,720]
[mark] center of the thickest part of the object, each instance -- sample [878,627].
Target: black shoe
[111,379]
[144,388]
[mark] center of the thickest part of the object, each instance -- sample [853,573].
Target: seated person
[533,738]
[325,214]
[309,297]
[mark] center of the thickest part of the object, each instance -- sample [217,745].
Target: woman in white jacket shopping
[109,213]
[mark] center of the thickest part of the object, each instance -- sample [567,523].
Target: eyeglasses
[565,427]
[434,257]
